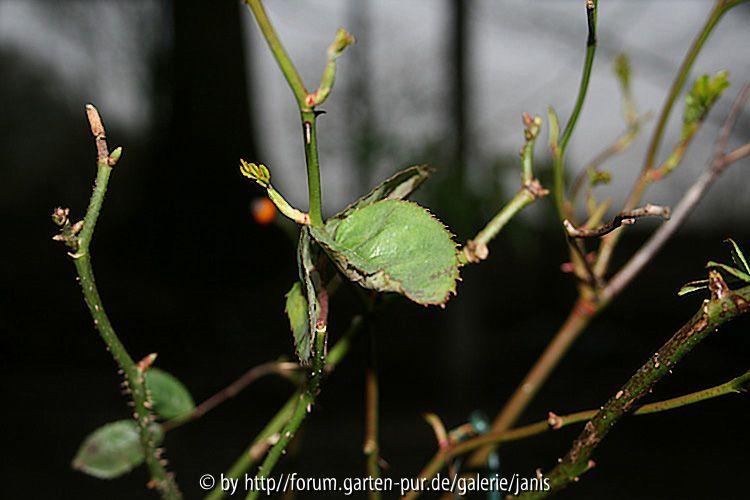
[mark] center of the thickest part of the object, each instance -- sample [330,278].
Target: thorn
[554,421]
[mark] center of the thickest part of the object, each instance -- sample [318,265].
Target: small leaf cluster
[705,92]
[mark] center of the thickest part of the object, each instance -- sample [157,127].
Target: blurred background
[189,87]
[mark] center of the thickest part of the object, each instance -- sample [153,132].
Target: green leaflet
[112,450]
[394,246]
[170,397]
[296,311]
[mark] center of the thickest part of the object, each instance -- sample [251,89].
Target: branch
[271,432]
[304,406]
[476,249]
[607,247]
[685,206]
[622,219]
[723,306]
[586,307]
[78,238]
[448,452]
[559,150]
[284,369]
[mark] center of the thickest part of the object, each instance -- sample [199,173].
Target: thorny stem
[134,375]
[309,136]
[305,402]
[608,244]
[723,306]
[259,445]
[305,102]
[554,422]
[585,308]
[559,152]
[266,437]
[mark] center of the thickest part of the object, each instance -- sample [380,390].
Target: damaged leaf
[397,187]
[113,450]
[394,246]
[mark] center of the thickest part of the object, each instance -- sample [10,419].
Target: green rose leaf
[112,450]
[170,397]
[296,311]
[393,246]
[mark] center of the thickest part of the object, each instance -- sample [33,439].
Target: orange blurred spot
[263,210]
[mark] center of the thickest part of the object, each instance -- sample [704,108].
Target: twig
[269,435]
[685,206]
[622,219]
[286,369]
[304,406]
[259,445]
[559,150]
[723,306]
[476,249]
[617,147]
[554,422]
[608,244]
[586,307]
[133,374]
[306,101]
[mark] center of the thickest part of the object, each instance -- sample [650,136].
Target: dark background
[186,273]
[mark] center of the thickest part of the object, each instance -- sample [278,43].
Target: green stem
[259,445]
[305,102]
[555,422]
[476,249]
[134,376]
[309,136]
[282,58]
[724,306]
[559,156]
[720,7]
[304,405]
[254,452]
